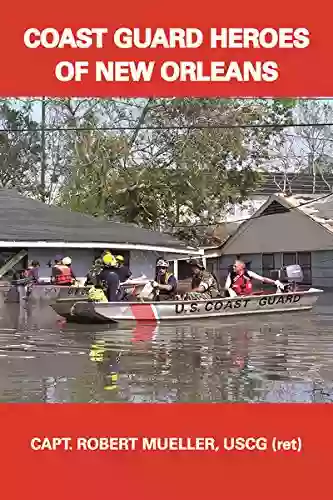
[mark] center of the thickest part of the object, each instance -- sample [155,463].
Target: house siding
[280,227]
[288,232]
[322,268]
[140,262]
[81,259]
[143,263]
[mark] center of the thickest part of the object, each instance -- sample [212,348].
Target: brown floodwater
[273,358]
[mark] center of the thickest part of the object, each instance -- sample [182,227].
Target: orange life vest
[241,283]
[65,276]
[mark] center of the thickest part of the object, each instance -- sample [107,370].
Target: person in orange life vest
[63,275]
[32,272]
[239,280]
[54,267]
[67,261]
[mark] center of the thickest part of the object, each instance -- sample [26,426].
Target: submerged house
[285,230]
[32,230]
[287,183]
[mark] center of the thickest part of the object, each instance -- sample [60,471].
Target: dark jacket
[124,273]
[109,279]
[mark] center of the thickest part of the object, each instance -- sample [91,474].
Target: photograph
[166,250]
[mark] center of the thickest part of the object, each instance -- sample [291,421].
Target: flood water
[276,358]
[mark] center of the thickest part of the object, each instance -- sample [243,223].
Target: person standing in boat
[123,271]
[204,285]
[67,261]
[108,278]
[54,267]
[124,274]
[32,272]
[96,269]
[165,283]
[239,280]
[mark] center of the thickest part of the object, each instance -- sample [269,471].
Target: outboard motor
[290,276]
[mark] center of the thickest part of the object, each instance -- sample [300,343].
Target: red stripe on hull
[143,312]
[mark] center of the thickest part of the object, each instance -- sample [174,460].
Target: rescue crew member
[54,271]
[58,260]
[62,274]
[122,270]
[239,280]
[108,278]
[32,272]
[166,283]
[204,285]
[96,269]
[67,261]
[96,294]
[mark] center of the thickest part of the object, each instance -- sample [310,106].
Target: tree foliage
[19,149]
[160,163]
[306,150]
[181,163]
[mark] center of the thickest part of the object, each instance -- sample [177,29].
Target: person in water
[239,280]
[204,284]
[165,283]
[108,278]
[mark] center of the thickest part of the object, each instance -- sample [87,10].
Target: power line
[208,126]
[304,138]
[290,209]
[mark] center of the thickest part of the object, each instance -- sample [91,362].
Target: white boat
[48,292]
[83,311]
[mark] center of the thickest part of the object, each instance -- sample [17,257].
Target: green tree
[181,163]
[19,148]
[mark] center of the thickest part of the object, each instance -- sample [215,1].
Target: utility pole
[43,152]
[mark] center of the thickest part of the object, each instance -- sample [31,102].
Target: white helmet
[67,261]
[162,263]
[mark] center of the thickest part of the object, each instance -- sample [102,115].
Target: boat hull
[49,293]
[114,312]
[36,293]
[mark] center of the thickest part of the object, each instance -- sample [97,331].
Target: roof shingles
[25,219]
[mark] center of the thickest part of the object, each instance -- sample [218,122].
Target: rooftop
[265,234]
[319,208]
[23,219]
[292,183]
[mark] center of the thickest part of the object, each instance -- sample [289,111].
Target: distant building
[285,230]
[288,184]
[31,230]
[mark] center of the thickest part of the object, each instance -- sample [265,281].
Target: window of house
[303,259]
[267,263]
[184,270]
[289,259]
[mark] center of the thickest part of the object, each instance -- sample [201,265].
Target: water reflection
[272,358]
